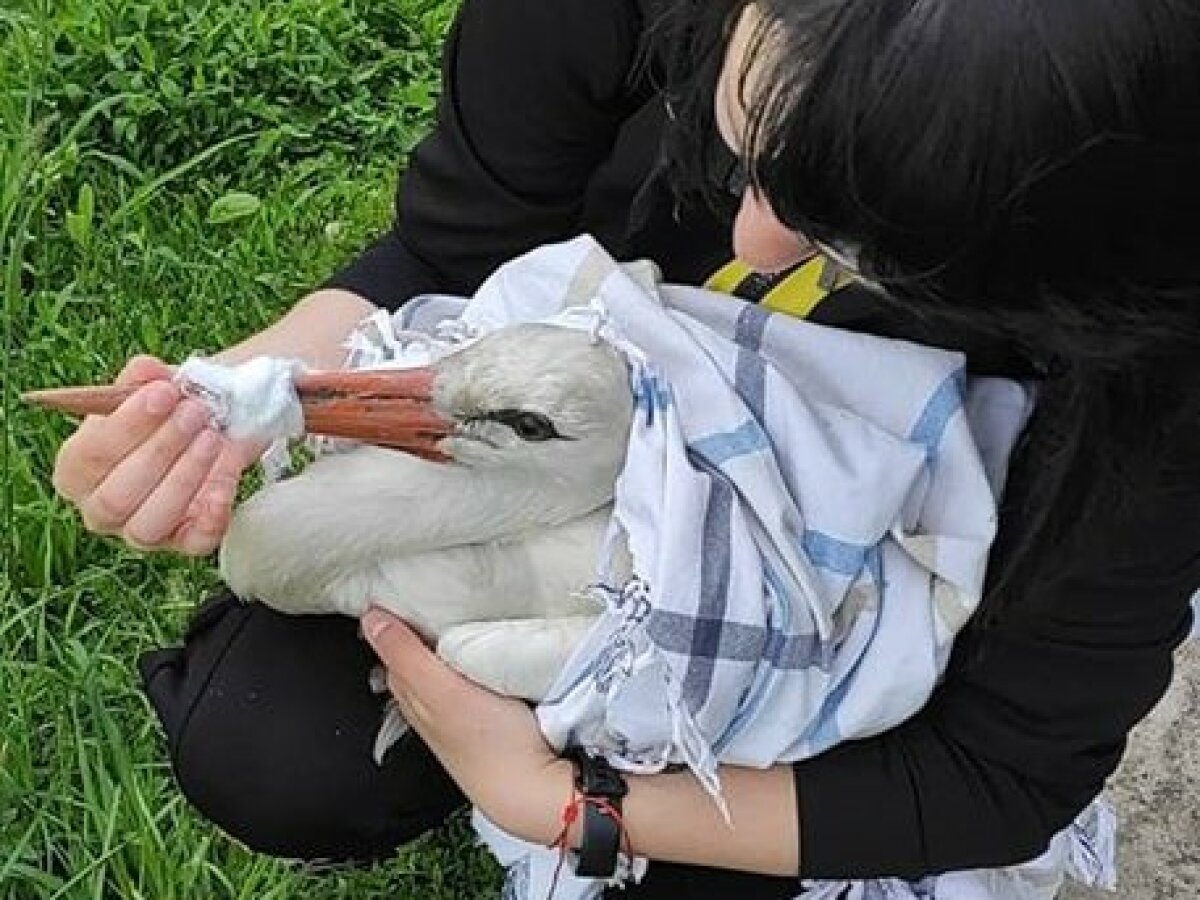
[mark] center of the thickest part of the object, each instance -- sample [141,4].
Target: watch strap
[599,845]
[602,789]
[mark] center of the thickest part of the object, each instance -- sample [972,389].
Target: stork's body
[487,555]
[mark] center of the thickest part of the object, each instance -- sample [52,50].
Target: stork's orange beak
[385,407]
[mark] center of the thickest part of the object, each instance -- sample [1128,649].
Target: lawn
[172,176]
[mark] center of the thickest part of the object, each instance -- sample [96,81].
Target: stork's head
[538,400]
[538,397]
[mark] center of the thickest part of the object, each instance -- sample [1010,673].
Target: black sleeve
[1031,719]
[533,96]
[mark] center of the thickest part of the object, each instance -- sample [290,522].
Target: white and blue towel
[809,513]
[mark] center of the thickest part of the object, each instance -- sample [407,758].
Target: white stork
[484,554]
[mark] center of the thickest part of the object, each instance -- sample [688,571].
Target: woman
[1015,180]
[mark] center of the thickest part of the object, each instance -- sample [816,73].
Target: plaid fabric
[809,513]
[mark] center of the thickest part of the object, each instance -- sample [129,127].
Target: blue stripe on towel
[750,383]
[650,396]
[875,567]
[939,410]
[735,642]
[751,325]
[835,555]
[675,632]
[823,732]
[715,560]
[750,372]
[767,676]
[718,449]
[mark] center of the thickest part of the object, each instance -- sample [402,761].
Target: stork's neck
[477,505]
[428,506]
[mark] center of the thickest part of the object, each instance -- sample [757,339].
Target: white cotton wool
[255,400]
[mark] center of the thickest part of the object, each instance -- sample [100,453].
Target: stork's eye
[528,426]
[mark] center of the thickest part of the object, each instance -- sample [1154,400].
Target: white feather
[510,532]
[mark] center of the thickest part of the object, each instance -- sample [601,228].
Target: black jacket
[543,133]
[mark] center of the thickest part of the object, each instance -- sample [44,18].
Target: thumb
[420,682]
[141,369]
[396,644]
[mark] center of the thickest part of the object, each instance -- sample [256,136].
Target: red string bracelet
[570,813]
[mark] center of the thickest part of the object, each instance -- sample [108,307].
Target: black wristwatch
[600,840]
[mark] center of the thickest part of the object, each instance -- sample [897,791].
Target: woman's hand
[155,471]
[491,745]
[493,748]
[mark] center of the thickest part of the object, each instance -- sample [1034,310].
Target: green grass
[172,176]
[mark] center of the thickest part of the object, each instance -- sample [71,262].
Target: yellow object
[795,293]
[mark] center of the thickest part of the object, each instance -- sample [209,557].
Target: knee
[285,802]
[270,724]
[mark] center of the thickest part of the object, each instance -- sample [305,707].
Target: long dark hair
[1028,167]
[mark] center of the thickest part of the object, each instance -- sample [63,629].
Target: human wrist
[596,808]
[536,814]
[313,330]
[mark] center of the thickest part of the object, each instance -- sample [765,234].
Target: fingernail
[219,499]
[213,513]
[160,399]
[191,417]
[208,525]
[375,623]
[207,445]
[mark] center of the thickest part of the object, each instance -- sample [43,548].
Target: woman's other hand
[491,745]
[155,471]
[493,748]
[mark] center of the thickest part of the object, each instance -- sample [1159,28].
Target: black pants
[270,724]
